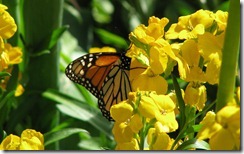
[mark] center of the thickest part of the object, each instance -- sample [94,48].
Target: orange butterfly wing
[105,75]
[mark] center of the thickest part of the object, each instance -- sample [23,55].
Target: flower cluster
[8,55]
[29,140]
[194,46]
[144,112]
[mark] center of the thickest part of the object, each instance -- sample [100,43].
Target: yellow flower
[119,108]
[14,53]
[213,69]
[158,60]
[4,61]
[122,133]
[166,114]
[126,124]
[158,139]
[212,55]
[103,49]
[130,145]
[140,35]
[221,19]
[11,142]
[19,90]
[148,81]
[189,61]
[147,107]
[9,55]
[137,54]
[154,31]
[209,44]
[7,23]
[156,27]
[222,129]
[190,26]
[160,107]
[195,95]
[29,140]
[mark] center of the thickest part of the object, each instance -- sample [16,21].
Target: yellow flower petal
[136,68]
[158,60]
[103,49]
[19,90]
[209,126]
[14,53]
[213,69]
[158,139]
[140,34]
[168,120]
[147,107]
[191,26]
[222,140]
[190,52]
[119,108]
[132,145]
[156,27]
[4,61]
[122,133]
[221,19]
[164,102]
[147,81]
[7,25]
[209,44]
[195,95]
[3,7]
[11,142]
[136,123]
[31,140]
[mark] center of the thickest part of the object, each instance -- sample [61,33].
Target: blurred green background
[52,34]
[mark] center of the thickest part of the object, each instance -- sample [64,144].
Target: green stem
[39,19]
[230,54]
[142,134]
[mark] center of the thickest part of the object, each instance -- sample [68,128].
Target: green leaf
[194,144]
[74,12]
[13,80]
[8,96]
[52,137]
[56,34]
[42,52]
[90,144]
[180,101]
[102,12]
[46,46]
[111,39]
[79,110]
[4,74]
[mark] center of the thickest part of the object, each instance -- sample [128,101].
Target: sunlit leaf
[79,110]
[52,137]
[194,144]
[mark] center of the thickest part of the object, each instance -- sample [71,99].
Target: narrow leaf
[4,74]
[56,34]
[194,144]
[79,110]
[110,38]
[52,137]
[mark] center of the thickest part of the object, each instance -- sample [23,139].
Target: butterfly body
[105,75]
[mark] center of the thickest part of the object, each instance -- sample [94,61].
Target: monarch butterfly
[105,75]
